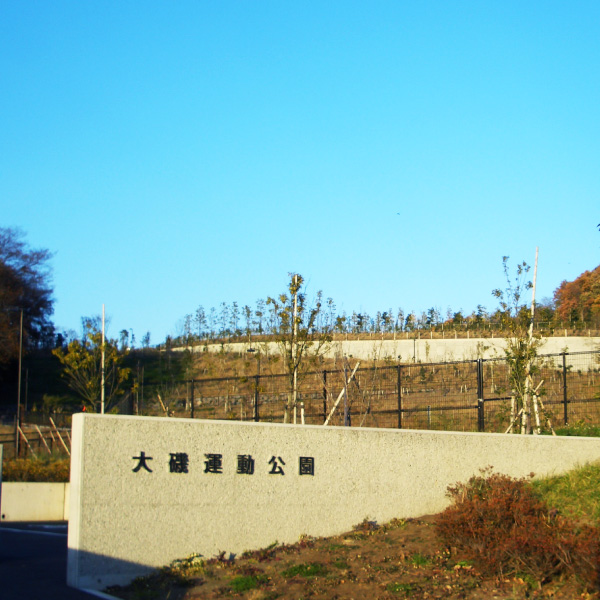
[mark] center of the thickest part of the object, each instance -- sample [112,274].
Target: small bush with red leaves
[500,524]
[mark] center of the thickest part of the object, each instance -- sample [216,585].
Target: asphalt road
[33,563]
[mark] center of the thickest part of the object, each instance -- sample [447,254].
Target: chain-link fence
[470,395]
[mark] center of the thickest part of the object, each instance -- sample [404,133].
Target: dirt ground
[401,559]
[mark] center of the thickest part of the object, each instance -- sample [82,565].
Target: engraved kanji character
[245,465]
[142,464]
[276,468]
[307,465]
[213,463]
[179,462]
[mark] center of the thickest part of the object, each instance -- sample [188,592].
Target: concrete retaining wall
[422,349]
[145,491]
[35,501]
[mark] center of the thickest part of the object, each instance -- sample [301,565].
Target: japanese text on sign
[179,462]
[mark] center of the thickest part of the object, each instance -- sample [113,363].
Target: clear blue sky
[177,154]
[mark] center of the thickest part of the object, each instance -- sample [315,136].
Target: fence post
[192,398]
[141,406]
[565,401]
[399,370]
[16,436]
[480,401]
[18,424]
[324,395]
[347,417]
[256,384]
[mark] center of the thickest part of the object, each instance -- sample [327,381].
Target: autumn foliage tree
[579,300]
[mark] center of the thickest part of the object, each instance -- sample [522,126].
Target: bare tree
[521,344]
[294,330]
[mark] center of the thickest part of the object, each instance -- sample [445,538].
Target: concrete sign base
[146,491]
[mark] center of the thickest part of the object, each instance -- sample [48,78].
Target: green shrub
[419,560]
[581,428]
[575,494]
[305,570]
[50,469]
[243,583]
[500,524]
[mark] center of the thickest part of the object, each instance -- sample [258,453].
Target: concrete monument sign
[146,491]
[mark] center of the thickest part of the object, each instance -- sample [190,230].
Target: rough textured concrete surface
[131,509]
[419,347]
[24,501]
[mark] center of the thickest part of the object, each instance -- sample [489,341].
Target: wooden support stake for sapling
[548,422]
[43,440]
[60,437]
[341,395]
[52,435]
[535,398]
[162,405]
[514,421]
[26,441]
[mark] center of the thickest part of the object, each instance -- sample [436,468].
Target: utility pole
[530,399]
[18,420]
[294,347]
[102,365]
[533,293]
